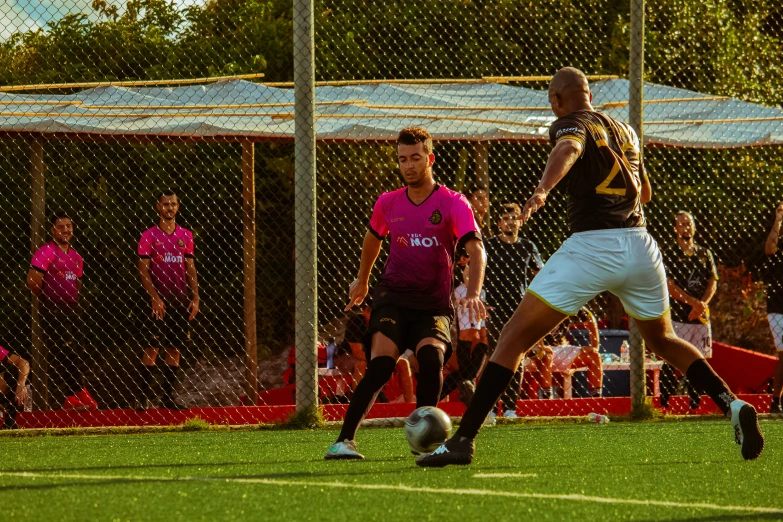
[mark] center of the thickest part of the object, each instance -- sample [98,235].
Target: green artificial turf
[193,476]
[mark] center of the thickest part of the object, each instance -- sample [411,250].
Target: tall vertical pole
[481,162]
[304,201]
[37,238]
[636,109]
[249,262]
[636,79]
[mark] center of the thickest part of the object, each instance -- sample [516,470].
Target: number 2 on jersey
[603,187]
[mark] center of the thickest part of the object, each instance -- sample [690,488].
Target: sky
[23,15]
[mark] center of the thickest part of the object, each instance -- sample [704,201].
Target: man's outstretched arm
[371,248]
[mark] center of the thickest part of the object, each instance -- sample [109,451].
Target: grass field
[630,471]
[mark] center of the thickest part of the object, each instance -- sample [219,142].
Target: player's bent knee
[383,346]
[430,358]
[380,370]
[430,341]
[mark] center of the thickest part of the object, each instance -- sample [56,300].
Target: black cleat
[747,432]
[457,451]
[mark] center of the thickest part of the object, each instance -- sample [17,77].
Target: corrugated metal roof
[240,110]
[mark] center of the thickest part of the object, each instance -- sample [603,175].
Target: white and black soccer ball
[427,428]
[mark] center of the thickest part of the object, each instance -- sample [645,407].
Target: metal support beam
[249,263]
[306,267]
[40,368]
[636,114]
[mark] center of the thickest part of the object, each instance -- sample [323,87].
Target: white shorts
[699,335]
[776,325]
[625,262]
[563,356]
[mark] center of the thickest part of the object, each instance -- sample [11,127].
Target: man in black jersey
[774,278]
[512,262]
[598,161]
[692,279]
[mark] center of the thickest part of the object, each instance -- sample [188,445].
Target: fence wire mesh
[106,106]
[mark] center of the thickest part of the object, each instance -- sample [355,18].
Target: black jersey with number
[691,273]
[510,269]
[604,185]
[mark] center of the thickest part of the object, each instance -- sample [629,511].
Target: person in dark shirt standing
[774,289]
[598,161]
[692,280]
[512,262]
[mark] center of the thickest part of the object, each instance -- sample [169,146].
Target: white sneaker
[747,432]
[345,450]
[510,414]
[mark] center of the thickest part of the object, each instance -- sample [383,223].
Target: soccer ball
[427,428]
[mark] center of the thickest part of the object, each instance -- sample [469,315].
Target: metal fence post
[40,367]
[304,201]
[636,110]
[249,262]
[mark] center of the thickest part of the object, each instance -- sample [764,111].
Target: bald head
[569,91]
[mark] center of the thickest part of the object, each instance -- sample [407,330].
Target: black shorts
[406,327]
[173,331]
[62,326]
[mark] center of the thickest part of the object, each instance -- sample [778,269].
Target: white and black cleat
[456,451]
[345,450]
[747,432]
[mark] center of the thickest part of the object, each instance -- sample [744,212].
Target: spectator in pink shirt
[167,268]
[55,277]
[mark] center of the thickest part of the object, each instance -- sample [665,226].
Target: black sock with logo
[430,380]
[703,377]
[379,371]
[494,381]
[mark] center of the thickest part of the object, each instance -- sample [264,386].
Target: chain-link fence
[106,107]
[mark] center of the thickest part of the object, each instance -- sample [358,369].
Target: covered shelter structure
[481,111]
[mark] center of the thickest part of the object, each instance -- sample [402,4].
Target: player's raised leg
[532,320]
[659,335]
[379,370]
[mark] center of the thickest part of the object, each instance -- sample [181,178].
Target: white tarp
[456,111]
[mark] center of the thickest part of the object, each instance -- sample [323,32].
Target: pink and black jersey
[418,271]
[62,271]
[167,254]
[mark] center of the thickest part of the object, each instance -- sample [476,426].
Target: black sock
[511,393]
[493,382]
[694,394]
[430,379]
[703,377]
[450,383]
[146,381]
[170,374]
[667,383]
[71,369]
[476,358]
[378,373]
[775,401]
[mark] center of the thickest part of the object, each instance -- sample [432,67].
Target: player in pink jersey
[412,299]
[13,386]
[55,277]
[167,269]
